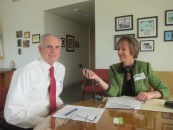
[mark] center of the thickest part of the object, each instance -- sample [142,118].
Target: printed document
[80,113]
[124,102]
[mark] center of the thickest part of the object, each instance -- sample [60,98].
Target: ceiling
[82,13]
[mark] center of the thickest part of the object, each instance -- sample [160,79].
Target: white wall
[28,15]
[71,60]
[25,15]
[105,13]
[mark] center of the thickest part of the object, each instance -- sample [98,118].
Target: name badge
[139,76]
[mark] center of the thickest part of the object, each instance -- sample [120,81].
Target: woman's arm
[91,75]
[160,90]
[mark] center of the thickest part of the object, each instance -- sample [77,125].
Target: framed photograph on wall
[77,44]
[69,43]
[168,17]
[147,27]
[63,42]
[147,45]
[19,51]
[25,43]
[124,23]
[27,34]
[19,34]
[168,35]
[117,37]
[19,43]
[35,38]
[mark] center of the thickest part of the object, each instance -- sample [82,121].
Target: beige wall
[29,15]
[25,15]
[71,60]
[105,13]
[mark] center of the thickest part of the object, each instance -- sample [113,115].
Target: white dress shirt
[27,101]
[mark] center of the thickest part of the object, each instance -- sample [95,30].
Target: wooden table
[133,120]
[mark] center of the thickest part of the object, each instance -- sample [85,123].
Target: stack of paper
[125,102]
[80,113]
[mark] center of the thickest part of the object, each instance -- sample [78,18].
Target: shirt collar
[44,64]
[121,68]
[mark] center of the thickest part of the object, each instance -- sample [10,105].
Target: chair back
[93,88]
[102,73]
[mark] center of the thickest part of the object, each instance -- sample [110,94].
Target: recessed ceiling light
[85,14]
[76,10]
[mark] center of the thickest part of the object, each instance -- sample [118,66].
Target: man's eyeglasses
[68,120]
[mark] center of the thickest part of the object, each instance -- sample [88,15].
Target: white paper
[156,105]
[87,114]
[125,102]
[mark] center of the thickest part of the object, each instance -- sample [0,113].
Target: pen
[68,113]
[145,101]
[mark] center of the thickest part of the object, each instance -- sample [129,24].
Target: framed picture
[19,51]
[168,17]
[19,34]
[124,23]
[69,43]
[168,35]
[19,43]
[166,126]
[77,44]
[25,43]
[63,42]
[35,38]
[147,45]
[147,27]
[26,34]
[117,37]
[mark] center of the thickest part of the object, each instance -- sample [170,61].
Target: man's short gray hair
[43,36]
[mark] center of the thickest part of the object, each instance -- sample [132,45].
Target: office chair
[91,87]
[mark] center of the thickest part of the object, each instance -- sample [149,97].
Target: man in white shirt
[27,101]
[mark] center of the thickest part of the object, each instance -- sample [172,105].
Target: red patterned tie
[52,90]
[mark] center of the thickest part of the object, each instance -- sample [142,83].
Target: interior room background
[34,16]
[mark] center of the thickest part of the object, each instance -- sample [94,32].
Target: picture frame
[147,45]
[19,34]
[35,38]
[19,42]
[76,44]
[166,126]
[19,51]
[168,17]
[63,42]
[168,35]
[69,43]
[117,37]
[27,34]
[147,27]
[26,43]
[124,23]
